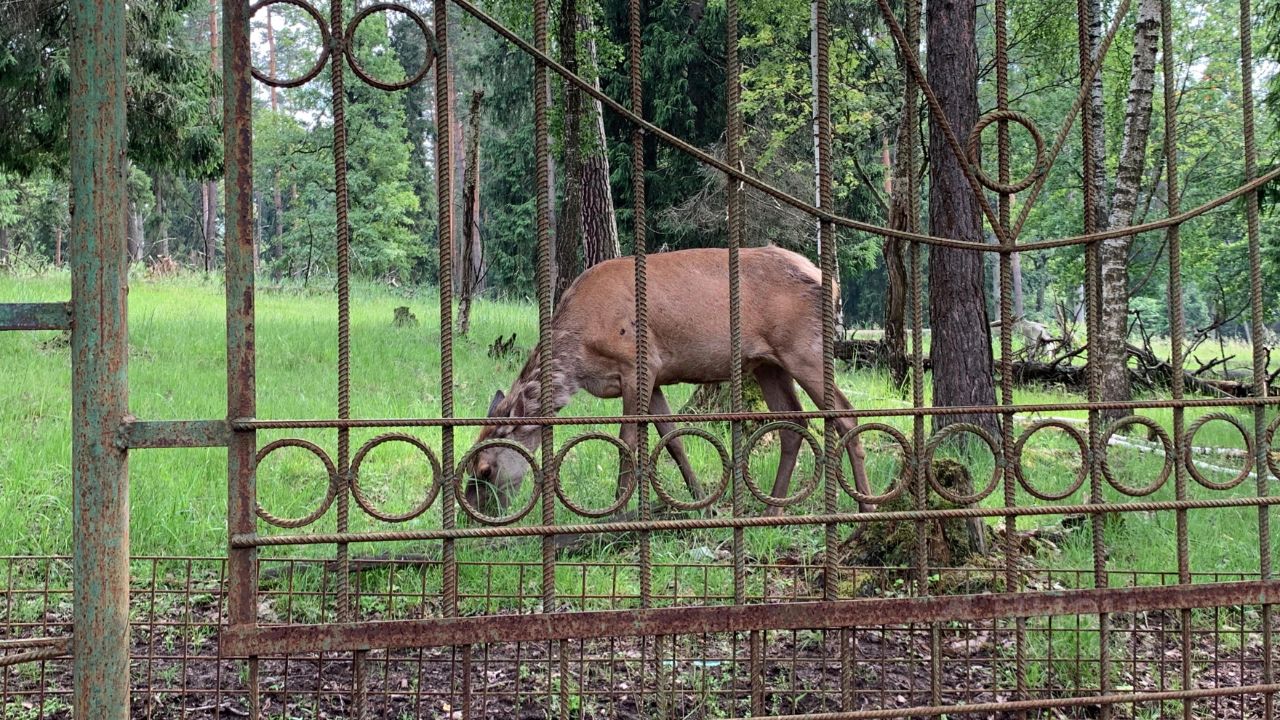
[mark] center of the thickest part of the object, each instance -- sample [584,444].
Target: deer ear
[493,404]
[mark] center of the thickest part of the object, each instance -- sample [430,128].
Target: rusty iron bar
[247,423]
[255,540]
[35,316]
[47,652]
[151,434]
[99,359]
[237,135]
[814,615]
[1101,701]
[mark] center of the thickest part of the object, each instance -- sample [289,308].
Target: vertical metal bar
[237,123]
[733,156]
[546,477]
[827,252]
[1177,324]
[444,244]
[1096,448]
[640,230]
[1256,328]
[99,355]
[1007,239]
[337,62]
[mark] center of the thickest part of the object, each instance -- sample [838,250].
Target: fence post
[99,359]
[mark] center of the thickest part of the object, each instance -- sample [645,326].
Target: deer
[593,348]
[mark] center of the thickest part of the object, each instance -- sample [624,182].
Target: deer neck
[563,383]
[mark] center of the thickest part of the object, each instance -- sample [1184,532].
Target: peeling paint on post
[237,134]
[99,356]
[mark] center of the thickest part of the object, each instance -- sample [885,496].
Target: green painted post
[99,359]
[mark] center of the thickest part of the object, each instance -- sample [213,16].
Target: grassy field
[177,371]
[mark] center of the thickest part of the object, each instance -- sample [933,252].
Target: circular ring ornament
[461,496]
[898,487]
[330,493]
[1165,443]
[809,485]
[1081,474]
[372,509]
[349,44]
[726,469]
[326,44]
[935,441]
[975,138]
[1189,463]
[1273,456]
[627,465]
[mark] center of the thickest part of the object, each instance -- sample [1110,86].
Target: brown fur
[594,344]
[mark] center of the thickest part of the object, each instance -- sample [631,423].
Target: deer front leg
[629,434]
[659,406]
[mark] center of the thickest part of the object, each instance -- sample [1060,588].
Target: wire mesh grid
[179,606]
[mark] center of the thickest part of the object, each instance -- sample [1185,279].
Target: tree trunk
[1098,129]
[57,245]
[160,245]
[569,226]
[599,223]
[897,191]
[6,247]
[135,239]
[1114,253]
[472,250]
[209,202]
[1019,305]
[456,158]
[961,347]
[277,247]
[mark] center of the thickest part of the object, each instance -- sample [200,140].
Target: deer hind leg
[809,375]
[779,392]
[658,405]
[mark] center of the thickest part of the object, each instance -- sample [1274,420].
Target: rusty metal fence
[260,636]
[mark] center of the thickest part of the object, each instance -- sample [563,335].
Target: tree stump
[404,318]
[718,398]
[950,542]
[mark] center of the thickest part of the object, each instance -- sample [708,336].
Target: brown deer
[594,349]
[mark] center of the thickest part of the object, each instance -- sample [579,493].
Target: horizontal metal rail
[249,540]
[136,434]
[35,316]
[241,424]
[439,632]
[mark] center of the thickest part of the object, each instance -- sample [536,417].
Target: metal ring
[627,465]
[325,44]
[1190,463]
[892,492]
[931,447]
[368,506]
[461,496]
[975,137]
[355,64]
[1081,475]
[726,473]
[330,493]
[805,490]
[1272,465]
[1166,444]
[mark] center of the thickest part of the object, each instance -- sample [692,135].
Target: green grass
[177,371]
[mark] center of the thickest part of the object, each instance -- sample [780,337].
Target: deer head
[495,471]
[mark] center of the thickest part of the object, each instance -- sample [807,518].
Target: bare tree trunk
[1019,306]
[6,247]
[135,239]
[569,225]
[160,246]
[1098,134]
[209,202]
[456,157]
[897,188]
[961,338]
[57,245]
[277,247]
[472,249]
[599,223]
[1111,346]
